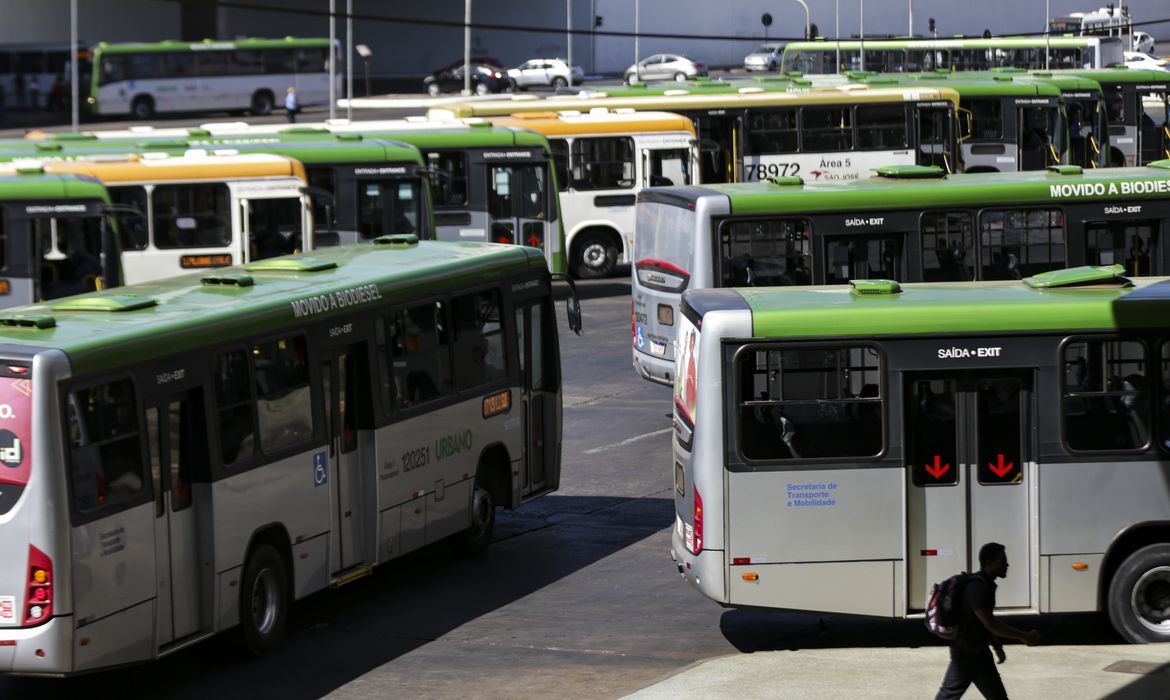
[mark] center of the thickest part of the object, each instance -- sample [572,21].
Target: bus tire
[595,255]
[474,541]
[1139,596]
[142,107]
[262,103]
[558,82]
[264,598]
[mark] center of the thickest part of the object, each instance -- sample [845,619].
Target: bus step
[350,575]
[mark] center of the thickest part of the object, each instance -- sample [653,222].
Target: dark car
[487,76]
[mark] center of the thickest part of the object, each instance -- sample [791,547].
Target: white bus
[840,449]
[141,80]
[603,159]
[192,455]
[180,213]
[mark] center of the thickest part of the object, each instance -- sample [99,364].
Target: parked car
[487,76]
[1143,61]
[1143,42]
[553,72]
[664,66]
[767,57]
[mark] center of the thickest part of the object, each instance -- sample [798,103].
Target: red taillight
[698,522]
[38,604]
[633,324]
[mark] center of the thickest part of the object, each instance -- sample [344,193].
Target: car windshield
[766,48]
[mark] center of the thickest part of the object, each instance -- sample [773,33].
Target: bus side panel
[847,587]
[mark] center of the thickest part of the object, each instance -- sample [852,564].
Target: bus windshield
[664,237]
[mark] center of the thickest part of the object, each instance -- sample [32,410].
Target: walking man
[978,630]
[292,105]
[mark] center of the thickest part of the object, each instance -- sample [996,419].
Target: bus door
[346,382]
[1153,127]
[1085,129]
[519,210]
[273,226]
[539,396]
[1039,136]
[1129,242]
[723,162]
[935,131]
[176,428]
[970,478]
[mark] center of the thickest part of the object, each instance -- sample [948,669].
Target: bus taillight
[698,522]
[39,602]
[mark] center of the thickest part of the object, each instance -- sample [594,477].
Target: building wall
[47,21]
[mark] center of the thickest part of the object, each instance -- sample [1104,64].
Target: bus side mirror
[572,305]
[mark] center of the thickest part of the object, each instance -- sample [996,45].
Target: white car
[1143,61]
[1143,42]
[767,57]
[664,66]
[551,72]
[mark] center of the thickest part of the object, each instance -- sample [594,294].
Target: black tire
[142,107]
[262,103]
[264,598]
[433,89]
[558,82]
[1139,596]
[481,89]
[474,541]
[631,79]
[513,86]
[594,255]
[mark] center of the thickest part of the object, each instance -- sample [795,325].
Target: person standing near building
[292,104]
[979,631]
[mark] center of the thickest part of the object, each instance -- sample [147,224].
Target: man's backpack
[942,606]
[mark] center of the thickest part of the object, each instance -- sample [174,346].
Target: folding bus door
[518,206]
[346,381]
[539,396]
[969,478]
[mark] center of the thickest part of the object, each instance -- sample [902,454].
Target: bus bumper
[656,370]
[704,571]
[46,650]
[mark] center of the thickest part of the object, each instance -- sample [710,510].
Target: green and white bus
[49,222]
[194,454]
[957,54]
[908,223]
[487,183]
[754,132]
[839,449]
[1136,106]
[143,79]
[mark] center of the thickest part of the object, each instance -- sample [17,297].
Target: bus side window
[283,405]
[105,457]
[422,363]
[1105,396]
[479,339]
[389,342]
[233,396]
[560,157]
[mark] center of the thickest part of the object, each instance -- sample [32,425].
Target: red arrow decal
[938,469]
[1001,468]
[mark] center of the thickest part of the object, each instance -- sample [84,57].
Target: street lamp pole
[569,34]
[1047,33]
[349,59]
[861,31]
[807,21]
[467,47]
[332,59]
[75,89]
[910,29]
[637,52]
[837,31]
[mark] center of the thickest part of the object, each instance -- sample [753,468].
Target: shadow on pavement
[336,636]
[764,630]
[1153,684]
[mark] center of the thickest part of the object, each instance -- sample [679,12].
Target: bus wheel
[474,541]
[262,103]
[142,107]
[1139,596]
[263,600]
[595,256]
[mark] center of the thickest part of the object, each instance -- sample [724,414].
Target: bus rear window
[15,439]
[105,462]
[665,234]
[809,403]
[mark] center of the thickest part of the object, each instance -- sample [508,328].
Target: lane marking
[627,441]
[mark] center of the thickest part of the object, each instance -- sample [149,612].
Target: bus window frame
[718,227]
[732,400]
[1008,207]
[1151,423]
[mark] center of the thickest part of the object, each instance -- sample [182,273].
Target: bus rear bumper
[704,571]
[46,650]
[656,370]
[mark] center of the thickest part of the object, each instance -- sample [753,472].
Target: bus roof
[1122,75]
[600,121]
[841,94]
[1059,184]
[126,324]
[288,42]
[32,185]
[953,43]
[940,308]
[130,167]
[969,84]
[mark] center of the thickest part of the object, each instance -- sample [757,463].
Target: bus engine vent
[112,303]
[875,287]
[227,279]
[290,265]
[1086,276]
[1163,164]
[397,240]
[910,172]
[37,321]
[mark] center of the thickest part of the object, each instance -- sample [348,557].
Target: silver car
[664,66]
[553,72]
[767,57]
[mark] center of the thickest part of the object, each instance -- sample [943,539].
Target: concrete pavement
[1124,672]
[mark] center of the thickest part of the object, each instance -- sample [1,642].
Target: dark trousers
[969,667]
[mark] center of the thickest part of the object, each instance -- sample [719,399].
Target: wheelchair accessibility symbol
[641,339]
[320,469]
